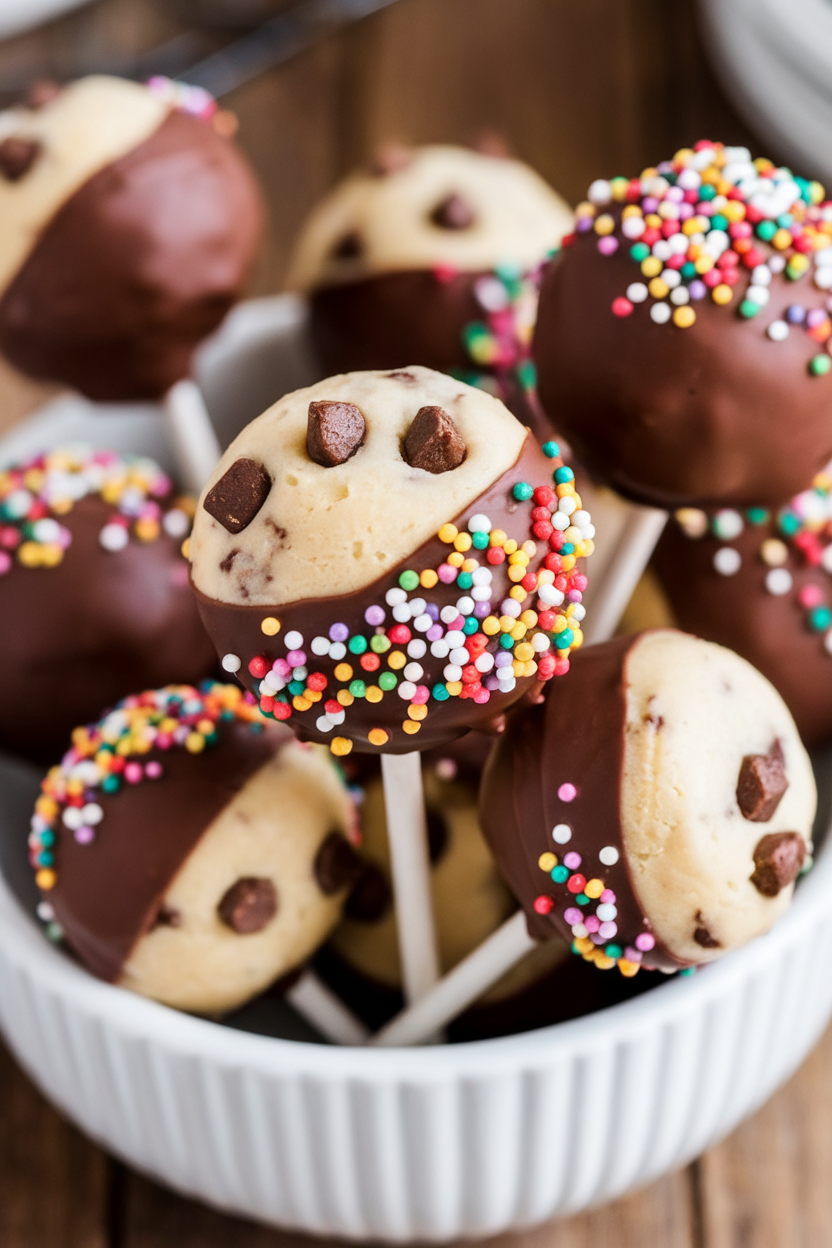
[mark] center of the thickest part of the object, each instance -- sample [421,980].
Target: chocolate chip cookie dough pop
[191,851]
[387,560]
[129,226]
[703,287]
[655,813]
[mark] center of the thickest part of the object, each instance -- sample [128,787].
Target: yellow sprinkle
[524,652]
[684,317]
[703,264]
[518,559]
[517,668]
[205,726]
[588,547]
[658,289]
[602,961]
[52,555]
[496,537]
[506,623]
[313,695]
[447,533]
[490,625]
[463,541]
[517,571]
[584,945]
[529,668]
[518,593]
[147,530]
[564,490]
[604,224]
[594,888]
[377,736]
[572,534]
[300,703]
[651,266]
[782,239]
[733,210]
[343,671]
[627,968]
[194,743]
[428,578]
[456,560]
[45,879]
[185,548]
[345,697]
[547,861]
[396,659]
[518,631]
[529,548]
[46,806]
[470,565]
[411,727]
[340,746]
[722,293]
[270,626]
[691,226]
[774,552]
[75,788]
[529,618]
[567,562]
[454,687]
[509,546]
[416,711]
[585,209]
[29,554]
[632,210]
[373,693]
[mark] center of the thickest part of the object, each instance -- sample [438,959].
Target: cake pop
[758,580]
[431,255]
[129,226]
[382,555]
[658,811]
[683,318]
[94,593]
[190,851]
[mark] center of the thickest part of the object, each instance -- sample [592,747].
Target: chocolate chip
[167,916]
[17,157]
[433,442]
[778,858]
[41,93]
[702,936]
[370,897]
[227,563]
[238,495]
[248,905]
[336,864]
[349,246]
[761,785]
[390,158]
[453,213]
[334,433]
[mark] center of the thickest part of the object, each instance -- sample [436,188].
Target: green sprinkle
[296,687]
[357,644]
[707,192]
[820,618]
[819,365]
[688,271]
[614,951]
[527,374]
[507,641]
[465,580]
[379,644]
[757,515]
[470,626]
[788,523]
[387,681]
[110,784]
[582,899]
[639,252]
[718,222]
[522,491]
[561,475]
[440,693]
[687,972]
[479,541]
[560,874]
[357,688]
[409,580]
[766,230]
[564,639]
[749,309]
[550,449]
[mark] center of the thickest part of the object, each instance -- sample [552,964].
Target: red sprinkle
[258,667]
[543,905]
[621,306]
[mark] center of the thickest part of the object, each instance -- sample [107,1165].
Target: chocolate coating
[79,636]
[136,267]
[670,416]
[108,892]
[769,630]
[519,801]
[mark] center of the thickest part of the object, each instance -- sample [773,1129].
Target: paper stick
[469,979]
[326,1012]
[407,834]
[624,565]
[195,444]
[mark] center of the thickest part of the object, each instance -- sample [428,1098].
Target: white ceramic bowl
[410,1144]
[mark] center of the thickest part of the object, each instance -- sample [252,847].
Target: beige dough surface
[88,125]
[518,219]
[322,532]
[470,900]
[689,848]
[272,828]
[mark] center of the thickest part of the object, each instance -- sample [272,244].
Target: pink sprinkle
[163,741]
[573,915]
[482,696]
[282,668]
[133,773]
[567,792]
[608,930]
[645,942]
[631,954]
[9,537]
[153,769]
[421,695]
[572,860]
[296,658]
[810,595]
[608,897]
[447,574]
[5,562]
[444,272]
[608,246]
[84,835]
[621,306]
[592,923]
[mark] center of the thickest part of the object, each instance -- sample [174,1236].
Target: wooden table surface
[579,88]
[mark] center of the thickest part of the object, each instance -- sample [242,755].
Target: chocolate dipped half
[388,560]
[131,234]
[94,593]
[682,334]
[190,851]
[656,809]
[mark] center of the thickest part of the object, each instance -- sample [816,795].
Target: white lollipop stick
[195,444]
[469,979]
[624,564]
[326,1012]
[407,834]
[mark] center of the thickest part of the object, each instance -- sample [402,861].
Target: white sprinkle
[417,649]
[464,605]
[299,673]
[175,522]
[579,612]
[481,593]
[551,596]
[45,912]
[324,724]
[760,295]
[540,643]
[414,672]
[778,330]
[561,834]
[482,576]
[452,672]
[448,614]
[73,818]
[460,655]
[491,294]
[728,524]
[506,686]
[567,505]
[394,596]
[679,244]
[606,912]
[92,814]
[320,646]
[826,559]
[479,524]
[661,250]
[608,855]
[660,313]
[778,581]
[114,537]
[406,690]
[560,520]
[336,717]
[510,606]
[823,277]
[599,193]
[680,296]
[455,637]
[827,642]
[402,612]
[337,651]
[440,649]
[485,662]
[671,277]
[633,227]
[231,662]
[423,622]
[777,263]
[727,561]
[293,640]
[46,530]
[761,275]
[417,606]
[637,291]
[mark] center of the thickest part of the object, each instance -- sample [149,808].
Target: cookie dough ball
[128,226]
[94,593]
[190,851]
[387,560]
[759,581]
[658,810]
[431,255]
[686,315]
